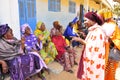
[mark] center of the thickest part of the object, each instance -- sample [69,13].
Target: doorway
[27,12]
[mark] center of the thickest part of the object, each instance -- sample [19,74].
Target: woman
[69,33]
[92,62]
[21,65]
[113,33]
[48,52]
[32,43]
[66,56]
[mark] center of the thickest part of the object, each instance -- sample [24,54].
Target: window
[54,5]
[72,7]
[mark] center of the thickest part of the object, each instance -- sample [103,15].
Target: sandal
[70,71]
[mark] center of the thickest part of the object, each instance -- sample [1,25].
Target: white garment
[109,28]
[118,22]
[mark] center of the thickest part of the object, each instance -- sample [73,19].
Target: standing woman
[92,62]
[48,52]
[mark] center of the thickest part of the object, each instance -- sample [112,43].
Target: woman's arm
[79,39]
[4,66]
[23,43]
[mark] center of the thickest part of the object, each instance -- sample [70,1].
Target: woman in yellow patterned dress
[49,52]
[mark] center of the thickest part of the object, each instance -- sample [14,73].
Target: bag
[114,54]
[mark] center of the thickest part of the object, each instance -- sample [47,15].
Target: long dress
[48,52]
[64,57]
[21,65]
[92,62]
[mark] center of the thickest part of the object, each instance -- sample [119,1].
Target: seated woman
[66,56]
[32,43]
[48,52]
[69,33]
[21,65]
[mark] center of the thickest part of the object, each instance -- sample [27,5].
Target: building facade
[17,12]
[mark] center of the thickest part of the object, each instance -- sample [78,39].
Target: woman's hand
[22,40]
[79,40]
[4,66]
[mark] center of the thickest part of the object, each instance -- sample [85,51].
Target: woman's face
[9,34]
[42,27]
[27,30]
[88,23]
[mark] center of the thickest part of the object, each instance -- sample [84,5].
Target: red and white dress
[92,63]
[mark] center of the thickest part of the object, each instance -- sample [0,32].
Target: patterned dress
[48,52]
[65,57]
[21,65]
[92,62]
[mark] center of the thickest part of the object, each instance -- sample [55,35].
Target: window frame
[72,7]
[54,5]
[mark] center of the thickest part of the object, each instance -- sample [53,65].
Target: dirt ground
[58,73]
[64,75]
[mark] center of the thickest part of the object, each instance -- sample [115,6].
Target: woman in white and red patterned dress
[92,62]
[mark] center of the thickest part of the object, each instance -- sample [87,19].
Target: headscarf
[105,14]
[38,31]
[55,23]
[94,17]
[38,25]
[24,26]
[3,29]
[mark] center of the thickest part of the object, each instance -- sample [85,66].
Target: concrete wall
[64,17]
[9,14]
[93,5]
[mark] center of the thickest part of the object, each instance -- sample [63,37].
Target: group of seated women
[28,56]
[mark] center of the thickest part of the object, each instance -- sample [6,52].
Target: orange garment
[116,37]
[110,70]
[111,66]
[107,49]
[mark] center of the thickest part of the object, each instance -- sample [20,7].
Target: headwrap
[3,29]
[38,25]
[24,26]
[94,17]
[55,23]
[105,14]
[37,31]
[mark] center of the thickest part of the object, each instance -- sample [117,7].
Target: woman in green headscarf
[48,52]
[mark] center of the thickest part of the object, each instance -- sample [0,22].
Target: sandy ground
[64,75]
